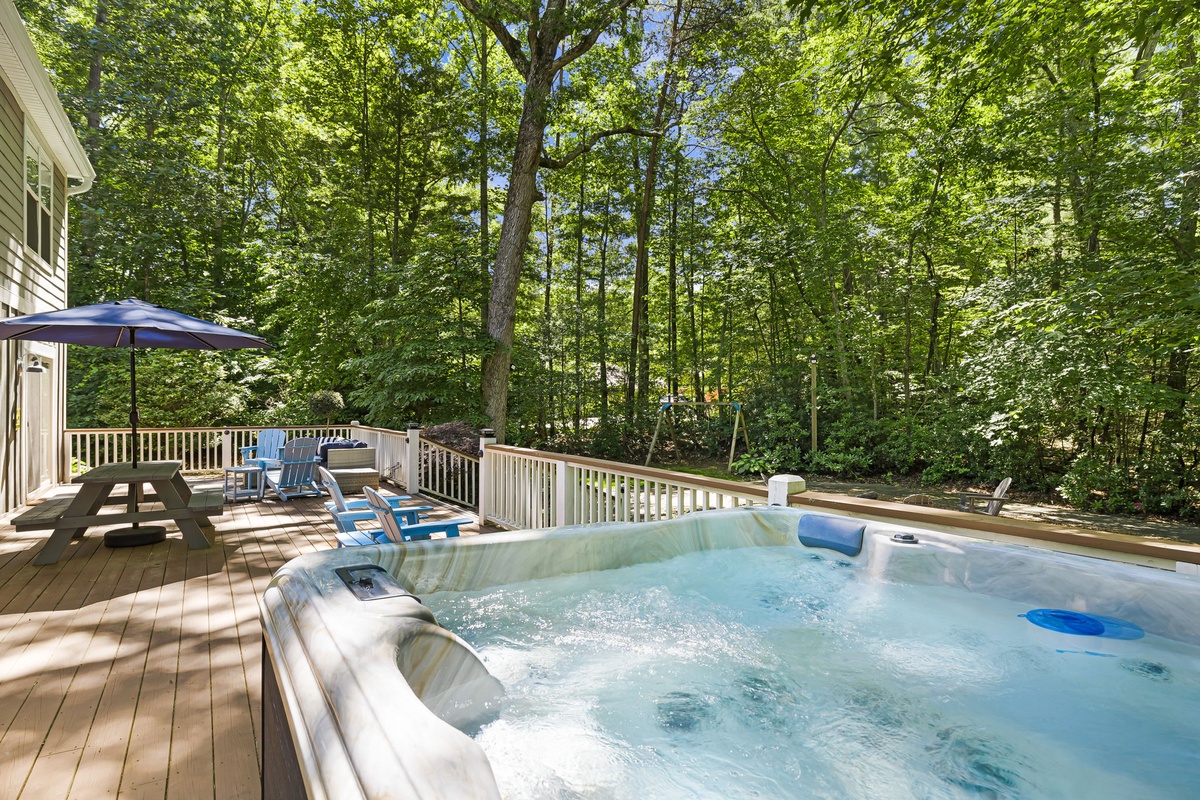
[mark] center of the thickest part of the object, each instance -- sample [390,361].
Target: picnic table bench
[70,517]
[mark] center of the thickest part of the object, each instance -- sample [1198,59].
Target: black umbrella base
[135,537]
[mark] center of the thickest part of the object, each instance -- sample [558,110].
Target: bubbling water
[776,673]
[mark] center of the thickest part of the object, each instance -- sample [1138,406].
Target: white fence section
[524,488]
[512,486]
[391,452]
[420,465]
[200,449]
[449,473]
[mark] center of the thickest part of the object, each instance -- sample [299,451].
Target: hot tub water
[779,672]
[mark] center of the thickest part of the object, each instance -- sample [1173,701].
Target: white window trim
[34,147]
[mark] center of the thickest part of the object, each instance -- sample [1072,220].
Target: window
[39,197]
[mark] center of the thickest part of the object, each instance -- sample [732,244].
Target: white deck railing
[449,473]
[420,465]
[200,449]
[524,488]
[512,486]
[391,451]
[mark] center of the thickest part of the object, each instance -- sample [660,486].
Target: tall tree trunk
[510,250]
[87,227]
[397,171]
[601,308]
[822,220]
[727,333]
[96,71]
[673,287]
[932,367]
[577,410]
[640,341]
[368,189]
[693,330]
[484,171]
[543,34]
[218,255]
[547,404]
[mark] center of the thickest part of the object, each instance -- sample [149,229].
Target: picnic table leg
[195,538]
[86,503]
[169,493]
[181,488]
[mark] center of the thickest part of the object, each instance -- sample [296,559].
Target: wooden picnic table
[70,517]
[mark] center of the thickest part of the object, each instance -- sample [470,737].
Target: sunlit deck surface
[135,672]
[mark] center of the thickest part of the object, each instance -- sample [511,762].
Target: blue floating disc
[1119,628]
[1078,624]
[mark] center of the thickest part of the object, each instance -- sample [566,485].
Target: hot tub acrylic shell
[376,695]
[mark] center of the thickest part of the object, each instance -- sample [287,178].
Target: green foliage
[755,464]
[176,388]
[325,403]
[981,218]
[1094,484]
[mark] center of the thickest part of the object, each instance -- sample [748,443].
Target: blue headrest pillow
[843,534]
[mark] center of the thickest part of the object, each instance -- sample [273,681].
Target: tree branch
[503,36]
[589,143]
[588,39]
[758,198]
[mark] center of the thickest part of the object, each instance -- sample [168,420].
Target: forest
[979,218]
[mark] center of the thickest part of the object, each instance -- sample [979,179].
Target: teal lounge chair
[346,513]
[391,529]
[297,472]
[266,452]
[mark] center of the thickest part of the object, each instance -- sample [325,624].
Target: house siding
[27,285]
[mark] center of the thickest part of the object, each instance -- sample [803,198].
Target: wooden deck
[135,672]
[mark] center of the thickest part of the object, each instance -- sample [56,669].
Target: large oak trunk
[510,249]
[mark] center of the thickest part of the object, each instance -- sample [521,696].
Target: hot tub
[718,655]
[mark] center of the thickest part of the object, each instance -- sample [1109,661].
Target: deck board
[136,672]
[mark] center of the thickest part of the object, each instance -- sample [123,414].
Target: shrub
[1094,484]
[325,403]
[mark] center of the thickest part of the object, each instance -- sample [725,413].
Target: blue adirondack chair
[391,529]
[297,473]
[346,513]
[266,452]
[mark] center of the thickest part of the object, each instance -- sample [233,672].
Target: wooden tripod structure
[739,421]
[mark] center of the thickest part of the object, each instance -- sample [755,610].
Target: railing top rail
[378,430]
[447,447]
[683,478]
[216,429]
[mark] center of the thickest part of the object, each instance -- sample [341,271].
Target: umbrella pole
[133,396]
[135,534]
[133,419]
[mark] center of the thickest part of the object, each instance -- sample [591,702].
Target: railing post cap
[780,486]
[487,432]
[355,422]
[412,425]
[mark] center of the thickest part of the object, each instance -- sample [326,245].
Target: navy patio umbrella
[127,323]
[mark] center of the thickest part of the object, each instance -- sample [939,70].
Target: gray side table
[244,483]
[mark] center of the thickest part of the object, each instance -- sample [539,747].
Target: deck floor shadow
[136,672]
